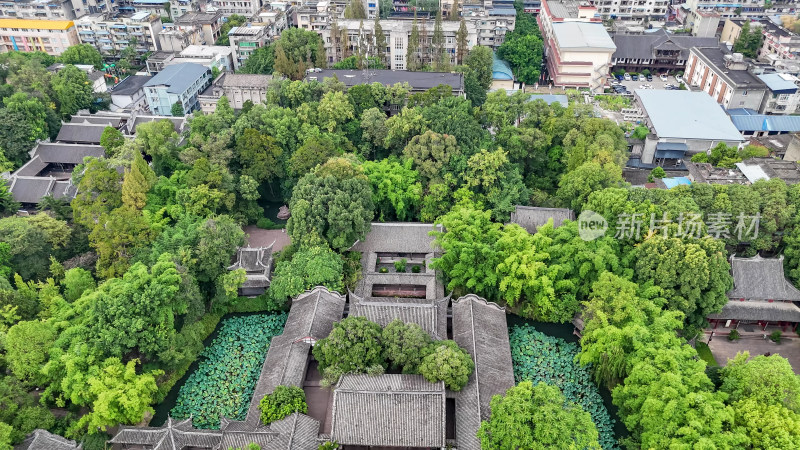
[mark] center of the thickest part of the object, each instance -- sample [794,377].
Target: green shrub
[282,402]
[95,441]
[416,269]
[383,270]
[775,336]
[447,362]
[400,266]
[267,224]
[223,383]
[733,335]
[330,445]
[640,132]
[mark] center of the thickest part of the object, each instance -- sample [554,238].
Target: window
[398,43]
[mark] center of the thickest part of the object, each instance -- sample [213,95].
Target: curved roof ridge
[475,297]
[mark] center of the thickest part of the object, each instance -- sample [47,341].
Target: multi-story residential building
[315,15]
[565,11]
[54,9]
[111,36]
[238,89]
[637,10]
[485,29]
[724,76]
[779,43]
[245,40]
[783,96]
[211,56]
[658,51]
[209,24]
[247,8]
[180,7]
[703,23]
[174,39]
[743,8]
[180,83]
[27,35]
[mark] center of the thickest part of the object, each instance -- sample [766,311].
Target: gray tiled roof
[531,218]
[398,237]
[131,85]
[643,46]
[312,315]
[480,328]
[174,435]
[759,310]
[44,440]
[431,315]
[388,411]
[419,81]
[245,80]
[67,153]
[80,133]
[31,189]
[178,77]
[257,262]
[760,278]
[97,120]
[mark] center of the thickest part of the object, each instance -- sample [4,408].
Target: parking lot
[656,83]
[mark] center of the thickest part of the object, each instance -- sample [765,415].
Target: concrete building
[417,81]
[179,8]
[482,29]
[179,83]
[209,25]
[238,88]
[210,56]
[657,51]
[779,43]
[703,23]
[681,123]
[157,61]
[174,39]
[783,96]
[54,9]
[129,93]
[28,35]
[244,41]
[637,10]
[111,36]
[579,55]
[144,6]
[743,8]
[725,77]
[247,8]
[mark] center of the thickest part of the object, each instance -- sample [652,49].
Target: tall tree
[537,417]
[441,60]
[380,41]
[412,52]
[137,183]
[72,90]
[82,54]
[462,44]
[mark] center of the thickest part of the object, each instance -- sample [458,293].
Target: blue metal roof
[502,12]
[742,112]
[178,77]
[778,84]
[500,69]
[762,122]
[677,146]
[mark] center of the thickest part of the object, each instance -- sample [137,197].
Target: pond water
[565,331]
[162,409]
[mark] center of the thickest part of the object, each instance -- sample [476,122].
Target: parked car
[627,76]
[615,83]
[649,78]
[679,78]
[663,77]
[648,86]
[620,77]
[635,77]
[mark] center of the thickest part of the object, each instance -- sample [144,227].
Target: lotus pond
[223,380]
[542,358]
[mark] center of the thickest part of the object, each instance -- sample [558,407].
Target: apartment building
[315,15]
[482,29]
[245,40]
[111,36]
[725,77]
[28,35]
[156,7]
[54,9]
[637,10]
[745,8]
[779,43]
[174,39]
[209,24]
[247,8]
[783,96]
[180,83]
[180,7]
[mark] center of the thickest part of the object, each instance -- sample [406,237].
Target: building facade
[28,35]
[54,9]
[238,88]
[579,55]
[179,83]
[783,96]
[725,77]
[247,8]
[209,24]
[637,10]
[111,36]
[245,40]
[658,51]
[779,44]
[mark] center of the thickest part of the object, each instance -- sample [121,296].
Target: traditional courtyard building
[390,410]
[761,296]
[531,217]
[257,262]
